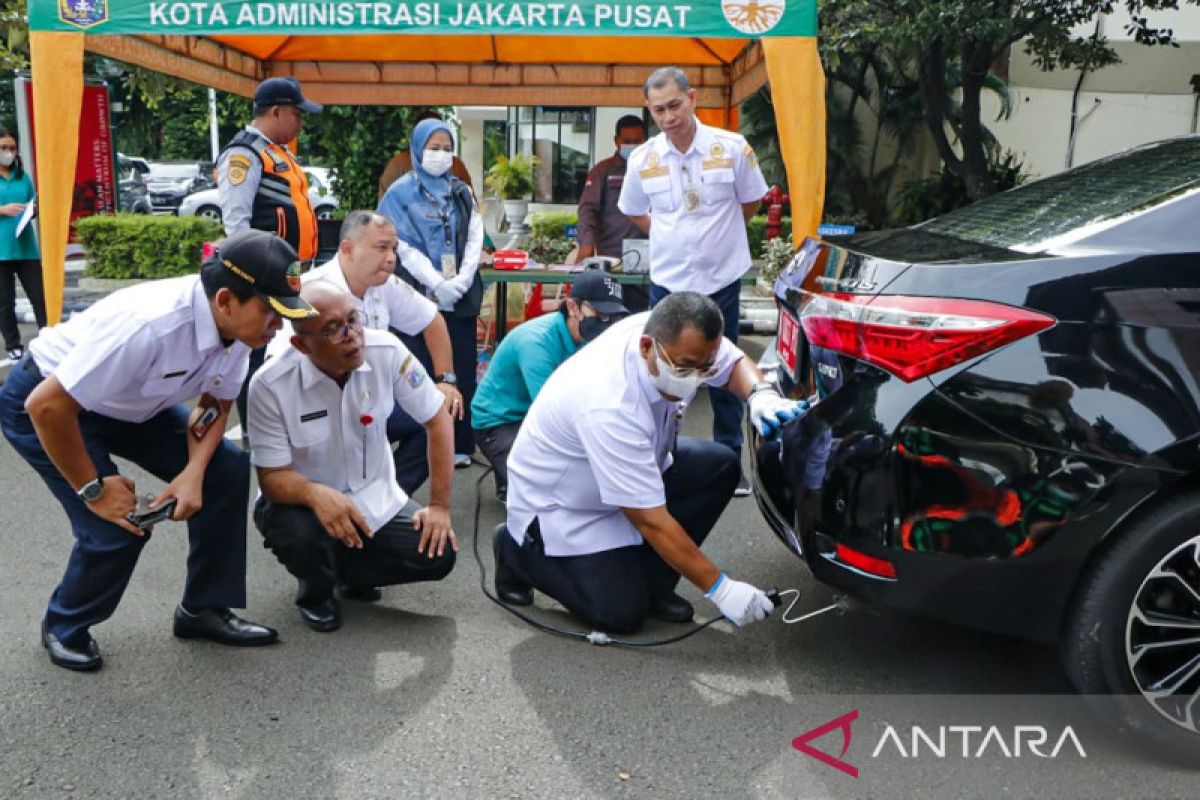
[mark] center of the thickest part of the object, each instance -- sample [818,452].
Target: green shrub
[552,224]
[144,246]
[756,233]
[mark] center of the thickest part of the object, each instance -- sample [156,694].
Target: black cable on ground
[595,637]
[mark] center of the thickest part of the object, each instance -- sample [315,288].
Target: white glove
[739,602]
[769,412]
[462,282]
[447,294]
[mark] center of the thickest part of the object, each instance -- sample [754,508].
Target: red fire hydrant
[775,198]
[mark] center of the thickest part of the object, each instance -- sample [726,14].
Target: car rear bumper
[954,520]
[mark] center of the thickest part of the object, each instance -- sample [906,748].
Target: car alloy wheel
[209,212]
[1162,640]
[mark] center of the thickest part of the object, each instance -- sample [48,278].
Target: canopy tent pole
[56,61]
[798,92]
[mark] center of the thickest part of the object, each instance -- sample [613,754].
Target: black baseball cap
[284,92]
[267,263]
[600,290]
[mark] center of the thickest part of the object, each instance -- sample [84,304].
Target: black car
[1006,423]
[171,181]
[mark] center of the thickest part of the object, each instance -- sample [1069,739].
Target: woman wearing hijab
[19,255]
[435,213]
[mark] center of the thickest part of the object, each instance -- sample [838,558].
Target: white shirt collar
[207,335]
[700,141]
[310,376]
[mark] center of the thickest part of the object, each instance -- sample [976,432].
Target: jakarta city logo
[753,16]
[83,13]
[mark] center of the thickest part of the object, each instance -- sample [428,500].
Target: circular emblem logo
[293,277]
[717,151]
[753,16]
[652,159]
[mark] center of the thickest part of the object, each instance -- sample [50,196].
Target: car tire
[324,212]
[209,212]
[1141,595]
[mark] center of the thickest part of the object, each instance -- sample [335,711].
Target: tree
[921,37]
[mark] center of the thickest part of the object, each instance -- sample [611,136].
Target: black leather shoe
[84,658]
[361,594]
[509,588]
[671,608]
[222,626]
[323,617]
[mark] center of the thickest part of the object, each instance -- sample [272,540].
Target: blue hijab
[417,202]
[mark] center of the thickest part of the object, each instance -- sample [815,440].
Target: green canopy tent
[457,52]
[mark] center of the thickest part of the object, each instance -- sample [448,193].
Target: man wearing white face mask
[606,508]
[603,229]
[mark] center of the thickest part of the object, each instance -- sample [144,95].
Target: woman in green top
[19,255]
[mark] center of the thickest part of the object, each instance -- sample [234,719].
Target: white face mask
[437,162]
[626,150]
[667,382]
[7,157]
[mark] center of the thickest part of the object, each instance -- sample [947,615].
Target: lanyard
[443,214]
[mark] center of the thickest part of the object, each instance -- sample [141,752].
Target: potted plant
[512,180]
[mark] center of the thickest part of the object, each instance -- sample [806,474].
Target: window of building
[561,138]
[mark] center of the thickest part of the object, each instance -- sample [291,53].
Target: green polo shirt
[521,366]
[16,189]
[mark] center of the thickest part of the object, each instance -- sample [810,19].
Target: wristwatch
[91,490]
[762,386]
[446,377]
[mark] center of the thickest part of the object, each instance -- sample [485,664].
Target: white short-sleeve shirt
[142,350]
[597,439]
[392,304]
[337,436]
[694,199]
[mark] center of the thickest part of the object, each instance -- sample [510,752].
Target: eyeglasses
[686,372]
[338,333]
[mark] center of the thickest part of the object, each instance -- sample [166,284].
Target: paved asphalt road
[436,693]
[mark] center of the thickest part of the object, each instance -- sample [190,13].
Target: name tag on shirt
[717,163]
[449,265]
[175,374]
[314,415]
[653,172]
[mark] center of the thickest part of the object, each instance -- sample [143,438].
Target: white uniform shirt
[393,304]
[337,436]
[597,439]
[701,248]
[142,350]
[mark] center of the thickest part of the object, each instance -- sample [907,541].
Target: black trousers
[319,562]
[462,342]
[612,590]
[30,275]
[495,444]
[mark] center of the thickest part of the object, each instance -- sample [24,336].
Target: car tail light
[861,561]
[912,337]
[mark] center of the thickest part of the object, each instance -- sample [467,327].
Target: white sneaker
[743,487]
[462,461]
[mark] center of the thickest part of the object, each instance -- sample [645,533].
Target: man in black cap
[261,185]
[527,356]
[111,382]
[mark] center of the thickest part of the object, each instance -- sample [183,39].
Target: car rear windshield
[1093,193]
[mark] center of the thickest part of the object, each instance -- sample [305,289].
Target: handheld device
[144,517]
[206,419]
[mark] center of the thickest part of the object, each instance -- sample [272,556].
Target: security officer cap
[267,263]
[283,92]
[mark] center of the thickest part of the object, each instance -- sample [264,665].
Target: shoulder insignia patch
[748,152]
[237,168]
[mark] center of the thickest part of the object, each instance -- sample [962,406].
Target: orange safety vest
[281,204]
